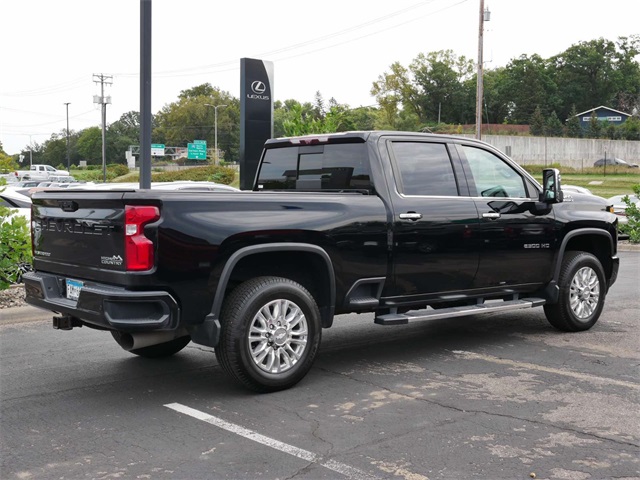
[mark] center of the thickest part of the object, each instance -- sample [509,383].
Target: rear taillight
[138,248]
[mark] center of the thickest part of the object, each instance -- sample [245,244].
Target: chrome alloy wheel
[584,293]
[278,336]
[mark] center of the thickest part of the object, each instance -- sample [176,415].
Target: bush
[209,173]
[632,228]
[15,247]
[118,169]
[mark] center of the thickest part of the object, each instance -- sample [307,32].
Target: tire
[270,334]
[160,350]
[582,293]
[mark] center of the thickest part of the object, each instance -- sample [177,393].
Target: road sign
[197,150]
[157,149]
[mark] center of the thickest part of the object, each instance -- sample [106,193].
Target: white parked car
[619,206]
[14,200]
[576,189]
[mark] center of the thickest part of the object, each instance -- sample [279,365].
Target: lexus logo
[258,87]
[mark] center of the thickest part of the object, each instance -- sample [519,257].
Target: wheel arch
[596,241]
[282,259]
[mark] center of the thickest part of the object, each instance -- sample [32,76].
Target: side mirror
[551,184]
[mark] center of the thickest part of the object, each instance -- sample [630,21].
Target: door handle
[410,216]
[491,215]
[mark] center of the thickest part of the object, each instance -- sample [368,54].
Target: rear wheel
[160,350]
[270,333]
[582,292]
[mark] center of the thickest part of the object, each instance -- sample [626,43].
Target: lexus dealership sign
[256,115]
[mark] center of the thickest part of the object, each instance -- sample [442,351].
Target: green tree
[595,127]
[525,85]
[90,145]
[630,129]
[586,75]
[394,89]
[55,149]
[188,119]
[553,125]
[7,164]
[628,69]
[537,123]
[433,85]
[122,134]
[438,77]
[361,118]
[574,128]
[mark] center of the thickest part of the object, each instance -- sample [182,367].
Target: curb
[628,247]
[23,314]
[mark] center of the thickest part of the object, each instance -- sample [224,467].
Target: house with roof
[604,114]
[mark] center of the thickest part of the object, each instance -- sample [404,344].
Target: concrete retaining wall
[568,152]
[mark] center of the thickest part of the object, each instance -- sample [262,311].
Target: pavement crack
[484,412]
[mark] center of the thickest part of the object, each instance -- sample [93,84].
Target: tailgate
[85,229]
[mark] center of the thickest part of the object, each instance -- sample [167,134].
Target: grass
[610,185]
[600,184]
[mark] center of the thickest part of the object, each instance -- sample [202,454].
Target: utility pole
[68,156]
[102,79]
[485,16]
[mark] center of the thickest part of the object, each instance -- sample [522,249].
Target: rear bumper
[104,306]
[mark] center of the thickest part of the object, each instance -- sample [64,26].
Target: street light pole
[68,156]
[30,153]
[215,131]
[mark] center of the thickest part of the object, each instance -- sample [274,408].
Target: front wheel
[270,333]
[582,292]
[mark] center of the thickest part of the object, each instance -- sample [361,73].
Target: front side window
[424,169]
[492,176]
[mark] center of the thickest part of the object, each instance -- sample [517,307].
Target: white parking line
[341,468]
[532,366]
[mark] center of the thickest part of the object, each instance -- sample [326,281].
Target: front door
[517,239]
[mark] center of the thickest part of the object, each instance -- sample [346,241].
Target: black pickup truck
[408,226]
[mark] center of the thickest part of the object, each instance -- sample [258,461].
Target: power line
[231,65]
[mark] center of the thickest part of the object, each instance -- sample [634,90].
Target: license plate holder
[73,289]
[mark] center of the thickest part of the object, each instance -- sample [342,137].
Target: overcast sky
[51,49]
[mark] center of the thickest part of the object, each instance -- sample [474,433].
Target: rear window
[316,167]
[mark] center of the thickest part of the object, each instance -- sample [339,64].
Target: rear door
[435,243]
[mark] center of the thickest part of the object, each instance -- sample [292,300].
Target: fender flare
[208,332]
[575,233]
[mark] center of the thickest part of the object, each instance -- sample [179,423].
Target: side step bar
[429,314]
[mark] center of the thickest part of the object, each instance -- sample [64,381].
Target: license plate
[73,289]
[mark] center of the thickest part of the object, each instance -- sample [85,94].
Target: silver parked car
[614,162]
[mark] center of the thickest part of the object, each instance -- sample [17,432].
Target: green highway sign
[197,150]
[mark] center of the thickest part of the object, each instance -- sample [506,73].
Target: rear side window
[316,167]
[424,169]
